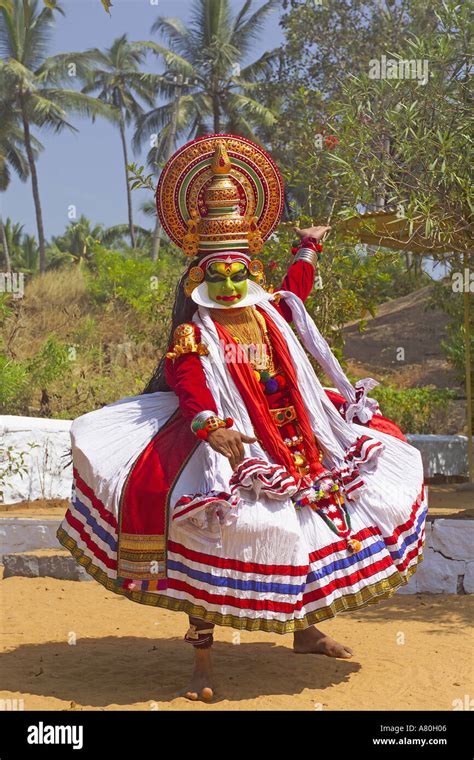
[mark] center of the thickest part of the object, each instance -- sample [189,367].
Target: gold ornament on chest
[248,328]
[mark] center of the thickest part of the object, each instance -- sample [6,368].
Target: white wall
[442,454]
[45,475]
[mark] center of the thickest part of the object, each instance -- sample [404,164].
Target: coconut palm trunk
[216,115]
[4,242]
[133,241]
[35,188]
[171,143]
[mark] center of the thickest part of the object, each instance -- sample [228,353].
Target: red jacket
[185,374]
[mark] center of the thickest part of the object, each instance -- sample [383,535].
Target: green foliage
[210,85]
[75,245]
[415,410]
[20,381]
[5,308]
[405,140]
[451,301]
[139,181]
[14,383]
[32,91]
[79,240]
[115,279]
[349,283]
[455,349]
[51,362]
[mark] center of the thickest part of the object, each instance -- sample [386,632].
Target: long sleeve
[299,279]
[185,376]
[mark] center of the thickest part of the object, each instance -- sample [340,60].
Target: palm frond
[177,63]
[241,15]
[211,20]
[18,161]
[121,231]
[250,27]
[34,30]
[72,100]
[62,66]
[260,68]
[148,208]
[15,73]
[176,34]
[252,108]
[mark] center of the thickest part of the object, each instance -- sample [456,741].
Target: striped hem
[371,594]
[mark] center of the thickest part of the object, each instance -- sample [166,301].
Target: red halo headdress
[220,196]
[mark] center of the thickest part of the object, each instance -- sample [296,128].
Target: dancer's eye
[239,276]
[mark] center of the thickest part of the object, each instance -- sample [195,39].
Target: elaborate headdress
[219,198]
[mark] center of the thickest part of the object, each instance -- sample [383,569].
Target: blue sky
[85,169]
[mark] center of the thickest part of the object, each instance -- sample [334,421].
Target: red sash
[256,403]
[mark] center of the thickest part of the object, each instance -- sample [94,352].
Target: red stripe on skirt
[232,601]
[235,564]
[348,580]
[406,526]
[413,553]
[97,504]
[96,550]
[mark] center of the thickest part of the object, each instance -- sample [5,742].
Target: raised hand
[318,233]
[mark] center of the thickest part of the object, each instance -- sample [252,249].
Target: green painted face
[227,284]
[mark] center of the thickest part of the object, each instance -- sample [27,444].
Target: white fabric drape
[334,434]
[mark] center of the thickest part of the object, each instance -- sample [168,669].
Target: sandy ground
[68,645]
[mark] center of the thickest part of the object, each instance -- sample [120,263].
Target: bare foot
[201,681]
[314,641]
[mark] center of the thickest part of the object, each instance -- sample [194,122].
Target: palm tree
[208,54]
[76,245]
[33,84]
[27,257]
[206,88]
[22,247]
[11,241]
[119,82]
[13,158]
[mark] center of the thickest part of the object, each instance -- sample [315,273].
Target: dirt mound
[403,342]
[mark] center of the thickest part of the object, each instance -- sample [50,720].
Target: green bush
[135,283]
[13,384]
[415,410]
[455,349]
[51,362]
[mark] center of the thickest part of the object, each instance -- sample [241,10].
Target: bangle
[207,421]
[311,242]
[307,254]
[307,243]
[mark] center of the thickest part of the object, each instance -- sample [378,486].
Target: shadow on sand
[123,671]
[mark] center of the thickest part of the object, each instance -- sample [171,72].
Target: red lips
[227,298]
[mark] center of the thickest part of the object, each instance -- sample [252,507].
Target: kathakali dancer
[237,489]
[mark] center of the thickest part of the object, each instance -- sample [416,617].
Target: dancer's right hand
[229,443]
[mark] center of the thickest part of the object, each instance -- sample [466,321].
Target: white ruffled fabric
[203,516]
[255,476]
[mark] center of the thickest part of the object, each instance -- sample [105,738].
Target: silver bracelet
[307,254]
